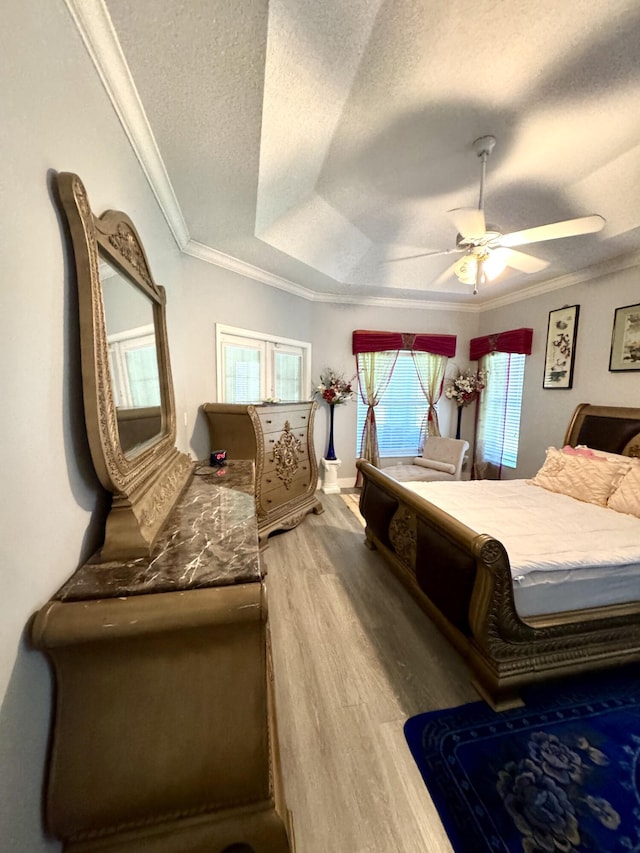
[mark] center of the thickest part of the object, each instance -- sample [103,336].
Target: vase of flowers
[464,389]
[334,390]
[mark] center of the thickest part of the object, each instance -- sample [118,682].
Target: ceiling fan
[485,250]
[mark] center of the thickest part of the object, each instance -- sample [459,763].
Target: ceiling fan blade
[424,255]
[567,228]
[520,261]
[469,221]
[444,276]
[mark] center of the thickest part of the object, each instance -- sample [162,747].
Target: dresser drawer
[270,439]
[271,479]
[270,464]
[274,420]
[274,495]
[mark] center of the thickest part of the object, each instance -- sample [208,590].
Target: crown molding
[220,259]
[94,24]
[228,262]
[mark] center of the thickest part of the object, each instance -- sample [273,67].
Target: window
[400,412]
[253,367]
[134,368]
[500,404]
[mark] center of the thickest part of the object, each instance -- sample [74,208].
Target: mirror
[128,393]
[133,360]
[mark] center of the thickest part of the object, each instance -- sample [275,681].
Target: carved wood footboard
[462,579]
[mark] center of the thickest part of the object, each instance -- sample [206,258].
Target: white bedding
[564,554]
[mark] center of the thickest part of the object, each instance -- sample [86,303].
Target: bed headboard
[612,428]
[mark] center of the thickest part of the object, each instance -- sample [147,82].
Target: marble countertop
[210,539]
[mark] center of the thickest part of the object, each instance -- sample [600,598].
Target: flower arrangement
[333,388]
[465,387]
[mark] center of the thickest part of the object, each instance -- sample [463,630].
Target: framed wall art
[625,339]
[561,347]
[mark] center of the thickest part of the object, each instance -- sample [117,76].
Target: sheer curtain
[374,372]
[430,369]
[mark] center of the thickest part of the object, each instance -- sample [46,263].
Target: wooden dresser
[279,438]
[164,734]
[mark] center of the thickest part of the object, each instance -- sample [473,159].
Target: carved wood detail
[286,452]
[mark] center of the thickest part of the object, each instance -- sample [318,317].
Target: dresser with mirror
[164,736]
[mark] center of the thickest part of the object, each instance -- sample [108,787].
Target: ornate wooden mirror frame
[147,481]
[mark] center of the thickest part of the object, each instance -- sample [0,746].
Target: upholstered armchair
[441,459]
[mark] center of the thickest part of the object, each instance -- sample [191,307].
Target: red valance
[364,341]
[516,340]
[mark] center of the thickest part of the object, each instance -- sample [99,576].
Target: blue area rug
[561,775]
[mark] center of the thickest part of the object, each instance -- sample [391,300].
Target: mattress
[564,554]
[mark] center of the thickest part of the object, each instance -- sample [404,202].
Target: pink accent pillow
[583,450]
[580,450]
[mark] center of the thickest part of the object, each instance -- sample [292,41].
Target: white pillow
[587,478]
[626,498]
[447,467]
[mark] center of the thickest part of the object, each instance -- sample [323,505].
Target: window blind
[502,402]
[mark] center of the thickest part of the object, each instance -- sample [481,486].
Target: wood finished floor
[354,657]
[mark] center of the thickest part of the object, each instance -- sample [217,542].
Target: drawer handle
[304,467]
[269,500]
[272,441]
[304,417]
[267,421]
[268,480]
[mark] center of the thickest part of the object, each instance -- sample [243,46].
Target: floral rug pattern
[561,775]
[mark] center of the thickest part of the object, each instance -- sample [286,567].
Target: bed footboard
[462,579]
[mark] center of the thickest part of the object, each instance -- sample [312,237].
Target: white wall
[546,412]
[216,295]
[56,116]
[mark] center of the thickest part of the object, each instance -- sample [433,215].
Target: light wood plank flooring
[354,657]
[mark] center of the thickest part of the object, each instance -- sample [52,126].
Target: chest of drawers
[279,438]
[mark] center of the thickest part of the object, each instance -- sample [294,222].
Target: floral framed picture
[625,339]
[560,354]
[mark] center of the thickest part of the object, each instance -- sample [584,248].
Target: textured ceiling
[318,140]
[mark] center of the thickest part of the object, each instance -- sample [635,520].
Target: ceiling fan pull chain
[479,273]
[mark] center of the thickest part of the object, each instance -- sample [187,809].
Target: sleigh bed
[464,579]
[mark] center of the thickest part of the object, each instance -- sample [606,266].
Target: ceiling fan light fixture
[494,265]
[466,269]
